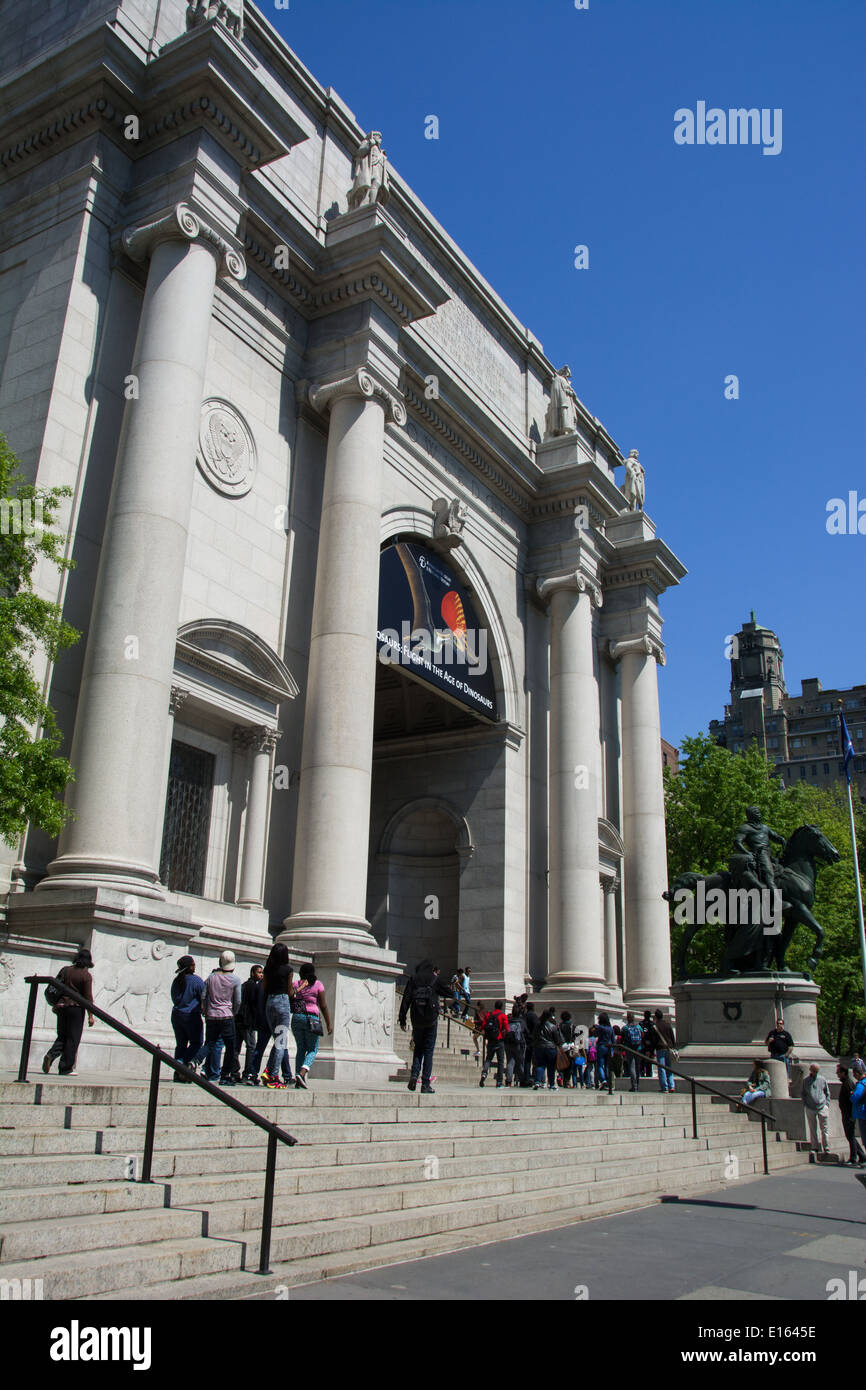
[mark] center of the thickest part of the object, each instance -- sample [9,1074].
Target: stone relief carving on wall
[7,973]
[449,519]
[138,988]
[226,449]
[365,1013]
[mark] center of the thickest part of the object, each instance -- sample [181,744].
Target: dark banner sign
[429,627]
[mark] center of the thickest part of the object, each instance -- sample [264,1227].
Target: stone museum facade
[292,416]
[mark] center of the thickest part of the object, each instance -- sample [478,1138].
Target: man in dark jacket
[530,1023]
[246,1023]
[421,1001]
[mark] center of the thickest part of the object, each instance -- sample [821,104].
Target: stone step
[56,1201]
[85,1274]
[34,1240]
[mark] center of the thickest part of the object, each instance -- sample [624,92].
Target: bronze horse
[747,946]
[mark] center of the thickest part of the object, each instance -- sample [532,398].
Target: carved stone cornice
[180,224]
[644,645]
[360,383]
[423,408]
[574,579]
[74,121]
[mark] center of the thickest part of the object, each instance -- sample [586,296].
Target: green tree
[33,775]
[705,804]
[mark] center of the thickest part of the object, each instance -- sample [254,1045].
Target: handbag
[314,1023]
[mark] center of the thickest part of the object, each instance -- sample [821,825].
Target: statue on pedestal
[369,173]
[760,901]
[634,486]
[561,415]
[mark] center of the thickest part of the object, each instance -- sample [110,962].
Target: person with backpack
[647,1044]
[580,1062]
[70,1016]
[604,1040]
[515,1043]
[592,1082]
[632,1038]
[187,992]
[495,1025]
[548,1040]
[856,1153]
[421,996]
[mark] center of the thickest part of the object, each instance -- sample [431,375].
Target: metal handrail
[162,1058]
[766,1117]
[449,1018]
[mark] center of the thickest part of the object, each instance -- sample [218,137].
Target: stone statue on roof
[561,415]
[369,173]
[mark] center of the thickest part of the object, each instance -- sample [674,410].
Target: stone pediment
[237,656]
[609,839]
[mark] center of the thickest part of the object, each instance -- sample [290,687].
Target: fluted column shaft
[123,705]
[647,932]
[261,742]
[609,887]
[329,894]
[575,938]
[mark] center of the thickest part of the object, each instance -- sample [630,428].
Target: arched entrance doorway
[419,862]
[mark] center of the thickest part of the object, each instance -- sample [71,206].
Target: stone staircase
[379,1176]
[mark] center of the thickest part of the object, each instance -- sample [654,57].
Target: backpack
[632,1035]
[423,997]
[592,1050]
[492,1027]
[53,995]
[516,1030]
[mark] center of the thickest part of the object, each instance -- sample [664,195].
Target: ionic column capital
[644,645]
[182,224]
[575,580]
[360,383]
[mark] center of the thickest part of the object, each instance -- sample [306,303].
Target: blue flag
[847,746]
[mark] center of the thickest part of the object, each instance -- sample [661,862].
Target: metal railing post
[448,1029]
[764,1145]
[28,1032]
[150,1126]
[268,1208]
[694,1110]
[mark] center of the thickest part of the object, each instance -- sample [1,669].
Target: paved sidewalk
[769,1238]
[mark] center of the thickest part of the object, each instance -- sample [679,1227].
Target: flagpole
[842,731]
[859,888]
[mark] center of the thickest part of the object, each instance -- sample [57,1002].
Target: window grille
[187,819]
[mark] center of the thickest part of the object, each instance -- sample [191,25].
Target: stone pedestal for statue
[722,1022]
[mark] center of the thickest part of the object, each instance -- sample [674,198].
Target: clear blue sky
[556,128]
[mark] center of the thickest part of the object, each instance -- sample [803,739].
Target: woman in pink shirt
[308,1010]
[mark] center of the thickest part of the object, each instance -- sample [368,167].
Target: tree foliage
[705,804]
[33,774]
